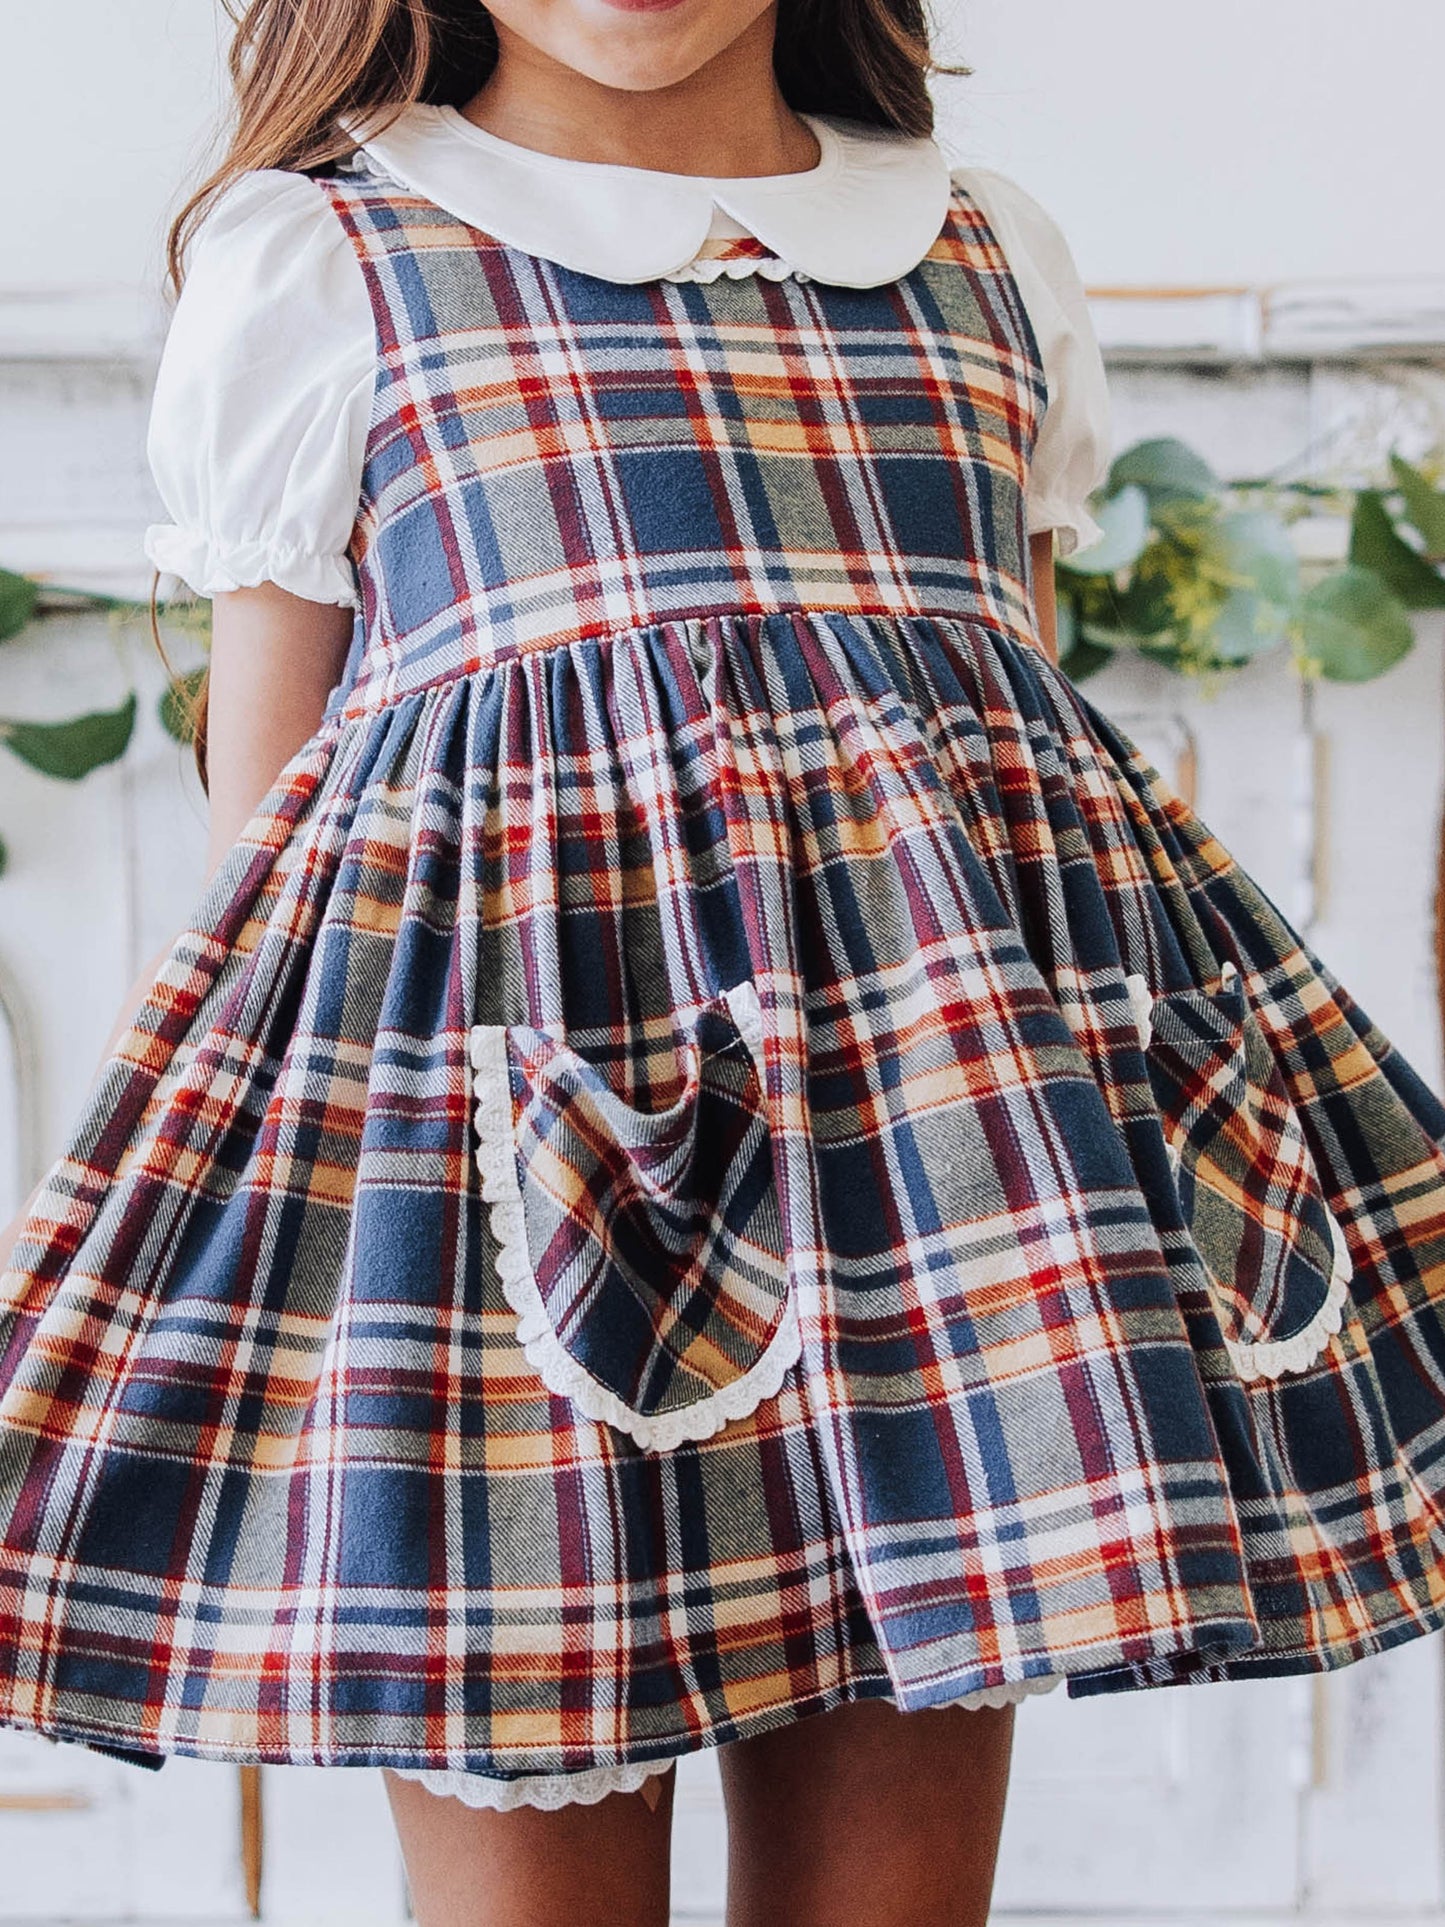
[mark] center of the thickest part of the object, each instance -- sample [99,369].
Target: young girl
[721,1164]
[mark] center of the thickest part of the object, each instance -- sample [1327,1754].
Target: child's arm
[1042,546]
[274,661]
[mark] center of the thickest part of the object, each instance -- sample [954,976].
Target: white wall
[108,104]
[1246,141]
[1239,141]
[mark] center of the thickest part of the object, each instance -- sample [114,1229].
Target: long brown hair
[304,69]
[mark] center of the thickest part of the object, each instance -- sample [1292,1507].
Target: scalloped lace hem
[1271,1358]
[558,1370]
[1010,1693]
[553,1790]
[546,1790]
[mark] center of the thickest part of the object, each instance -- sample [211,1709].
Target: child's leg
[604,1865]
[869,1816]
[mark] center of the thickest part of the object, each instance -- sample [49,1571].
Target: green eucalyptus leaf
[177,705]
[1257,550]
[1424,505]
[1353,626]
[1375,543]
[1191,523]
[1146,607]
[1124,519]
[72,749]
[18,596]
[1166,650]
[1245,626]
[1085,659]
[1096,598]
[4,856]
[1167,470]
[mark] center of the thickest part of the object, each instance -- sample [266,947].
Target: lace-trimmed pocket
[1247,1182]
[640,1243]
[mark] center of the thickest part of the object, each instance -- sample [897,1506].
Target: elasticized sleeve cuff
[1074,527]
[212,567]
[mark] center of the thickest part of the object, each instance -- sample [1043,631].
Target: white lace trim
[553,1790]
[561,1373]
[1269,1358]
[1142,998]
[746,1010]
[1141,1005]
[1008,1694]
[546,1790]
[736,268]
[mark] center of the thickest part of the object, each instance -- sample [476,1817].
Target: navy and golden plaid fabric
[720,1144]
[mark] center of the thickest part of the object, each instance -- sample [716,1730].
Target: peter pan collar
[864,215]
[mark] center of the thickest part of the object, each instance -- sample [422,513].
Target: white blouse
[263,401]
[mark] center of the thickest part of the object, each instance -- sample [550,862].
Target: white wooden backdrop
[1250,141]
[1314,1798]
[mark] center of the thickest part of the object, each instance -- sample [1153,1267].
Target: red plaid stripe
[696,677]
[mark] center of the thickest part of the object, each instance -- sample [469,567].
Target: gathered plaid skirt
[720,1144]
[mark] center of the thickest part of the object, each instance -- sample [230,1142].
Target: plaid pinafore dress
[720,1144]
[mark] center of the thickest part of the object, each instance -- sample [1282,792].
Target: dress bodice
[556,457]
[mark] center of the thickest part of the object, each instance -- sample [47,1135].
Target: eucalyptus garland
[71,749]
[1205,576]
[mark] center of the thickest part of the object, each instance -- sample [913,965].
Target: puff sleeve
[1071,458]
[262,403]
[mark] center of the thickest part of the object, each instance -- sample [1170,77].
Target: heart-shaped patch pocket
[636,1213]
[1247,1183]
